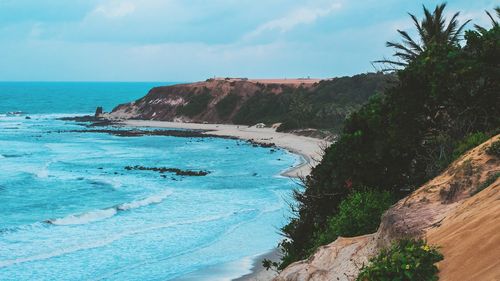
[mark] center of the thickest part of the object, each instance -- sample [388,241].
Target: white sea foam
[108,240]
[85,218]
[154,199]
[58,252]
[98,215]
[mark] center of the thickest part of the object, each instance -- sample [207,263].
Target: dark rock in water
[261,144]
[102,123]
[95,121]
[85,118]
[98,111]
[162,170]
[14,113]
[140,133]
[27,117]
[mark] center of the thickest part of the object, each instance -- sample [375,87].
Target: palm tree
[431,30]
[494,22]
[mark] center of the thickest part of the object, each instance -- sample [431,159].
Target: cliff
[446,211]
[300,103]
[167,103]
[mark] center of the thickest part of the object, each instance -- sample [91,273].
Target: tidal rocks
[262,144]
[84,118]
[140,133]
[162,170]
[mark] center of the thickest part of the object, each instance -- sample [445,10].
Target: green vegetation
[227,105]
[468,143]
[491,179]
[263,107]
[358,214]
[431,31]
[445,92]
[406,260]
[494,149]
[324,106]
[196,104]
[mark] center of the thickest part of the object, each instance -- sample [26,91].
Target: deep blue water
[108,223]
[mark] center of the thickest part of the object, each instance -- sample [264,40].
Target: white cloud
[114,9]
[303,15]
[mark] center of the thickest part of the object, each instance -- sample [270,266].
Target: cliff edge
[458,211]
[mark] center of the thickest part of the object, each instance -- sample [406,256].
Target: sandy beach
[309,148]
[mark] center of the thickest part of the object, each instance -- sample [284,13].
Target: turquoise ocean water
[112,224]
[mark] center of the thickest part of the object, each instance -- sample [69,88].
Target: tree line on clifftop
[445,101]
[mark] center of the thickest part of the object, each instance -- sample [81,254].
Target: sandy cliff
[444,211]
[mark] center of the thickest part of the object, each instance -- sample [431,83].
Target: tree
[494,22]
[431,30]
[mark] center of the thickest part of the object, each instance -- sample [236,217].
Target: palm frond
[410,42]
[459,31]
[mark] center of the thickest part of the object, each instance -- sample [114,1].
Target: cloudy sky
[188,40]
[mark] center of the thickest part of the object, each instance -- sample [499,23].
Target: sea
[69,210]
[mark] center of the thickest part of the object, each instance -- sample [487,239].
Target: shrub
[405,260]
[288,125]
[227,105]
[491,179]
[469,142]
[358,214]
[196,104]
[494,149]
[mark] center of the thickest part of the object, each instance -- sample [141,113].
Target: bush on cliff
[195,105]
[405,260]
[469,142]
[227,105]
[358,214]
[444,93]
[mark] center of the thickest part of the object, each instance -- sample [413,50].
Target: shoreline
[308,148]
[258,272]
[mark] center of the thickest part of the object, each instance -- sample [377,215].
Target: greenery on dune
[358,214]
[446,100]
[405,260]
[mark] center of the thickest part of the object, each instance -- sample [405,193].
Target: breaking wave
[102,214]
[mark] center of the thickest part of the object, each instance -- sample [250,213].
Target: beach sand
[310,149]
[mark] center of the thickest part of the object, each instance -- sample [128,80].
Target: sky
[191,40]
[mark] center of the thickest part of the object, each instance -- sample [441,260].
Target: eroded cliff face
[444,211]
[163,103]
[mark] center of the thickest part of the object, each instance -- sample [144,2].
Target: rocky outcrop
[98,112]
[445,211]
